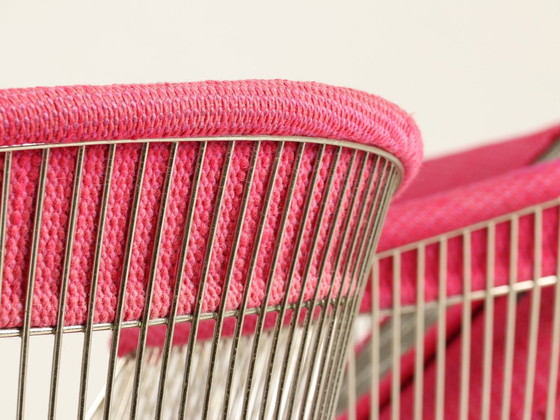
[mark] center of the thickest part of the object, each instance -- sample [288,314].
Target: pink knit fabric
[466,200]
[85,113]
[212,108]
[478,164]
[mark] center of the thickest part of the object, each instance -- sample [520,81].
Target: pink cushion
[460,190]
[86,113]
[212,108]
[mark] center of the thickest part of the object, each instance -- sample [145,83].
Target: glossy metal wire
[380,202]
[151,283]
[292,370]
[332,318]
[555,351]
[202,285]
[282,314]
[25,332]
[179,282]
[441,311]
[260,322]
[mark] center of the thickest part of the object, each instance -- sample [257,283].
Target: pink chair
[461,318]
[222,231]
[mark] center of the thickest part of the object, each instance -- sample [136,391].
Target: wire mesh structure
[243,260]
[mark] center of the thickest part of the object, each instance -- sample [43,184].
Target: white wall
[468,72]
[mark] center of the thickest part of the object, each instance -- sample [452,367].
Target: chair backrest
[187,219]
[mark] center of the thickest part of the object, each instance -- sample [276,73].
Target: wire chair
[220,262]
[462,311]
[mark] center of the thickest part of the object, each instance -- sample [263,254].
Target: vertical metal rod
[396,335]
[342,301]
[295,313]
[250,275]
[151,282]
[25,331]
[229,276]
[377,215]
[466,327]
[203,280]
[375,341]
[511,315]
[166,352]
[351,383]
[283,309]
[488,321]
[419,346]
[328,342]
[383,193]
[4,211]
[535,315]
[441,327]
[321,323]
[94,281]
[381,212]
[555,343]
[64,284]
[117,326]
[279,241]
[311,309]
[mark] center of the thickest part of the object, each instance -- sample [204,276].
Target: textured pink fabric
[77,114]
[459,190]
[465,203]
[478,164]
[213,108]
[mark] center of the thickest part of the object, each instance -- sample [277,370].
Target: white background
[469,73]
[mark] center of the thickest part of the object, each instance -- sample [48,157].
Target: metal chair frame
[271,360]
